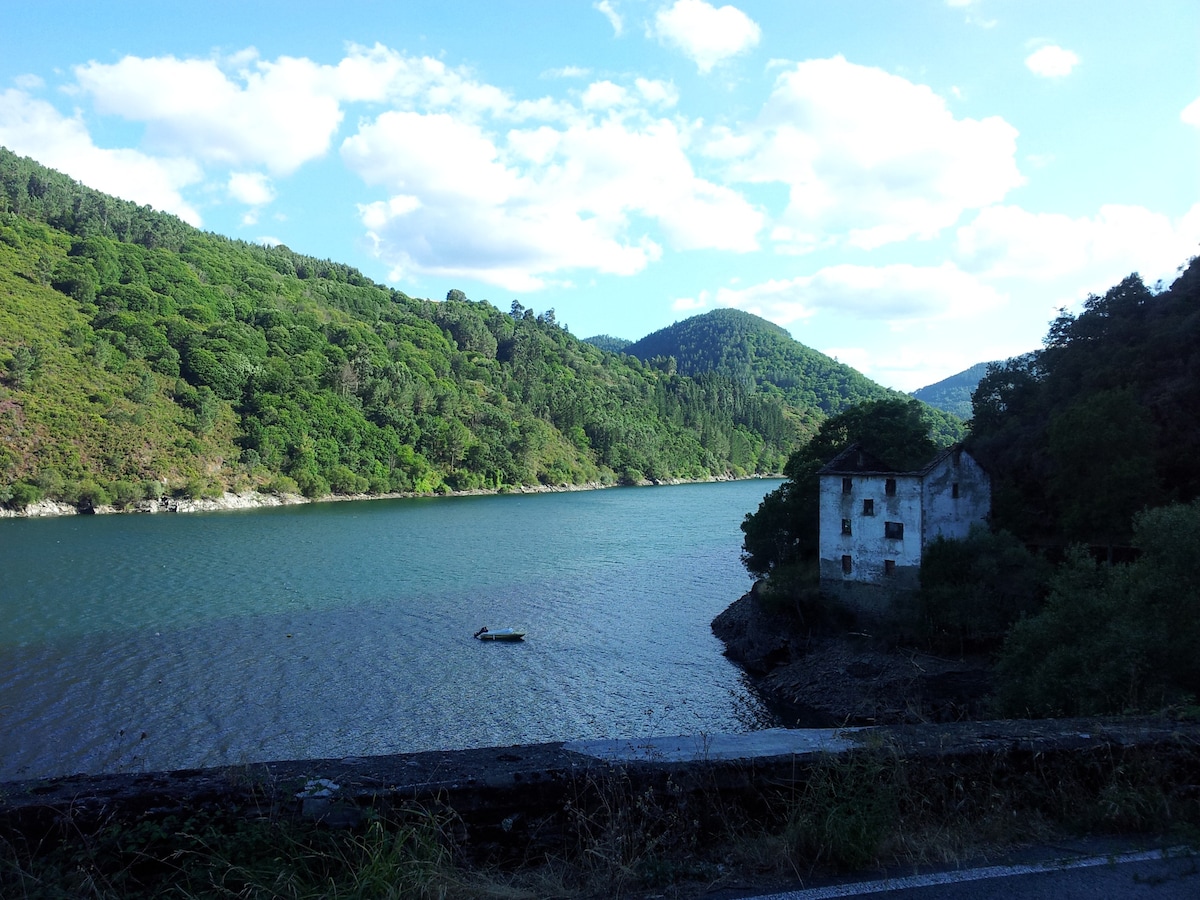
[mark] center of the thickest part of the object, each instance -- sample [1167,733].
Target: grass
[625,833]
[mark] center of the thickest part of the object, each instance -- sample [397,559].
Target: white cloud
[705,34]
[900,294]
[251,188]
[657,93]
[868,158]
[1191,114]
[603,94]
[567,72]
[520,208]
[692,304]
[274,114]
[614,18]
[36,129]
[1090,253]
[1051,61]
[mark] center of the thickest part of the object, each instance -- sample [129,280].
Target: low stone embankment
[516,801]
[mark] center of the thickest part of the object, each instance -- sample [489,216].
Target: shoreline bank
[230,501]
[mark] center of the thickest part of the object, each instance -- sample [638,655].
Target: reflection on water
[332,630]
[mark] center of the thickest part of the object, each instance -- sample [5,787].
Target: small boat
[499,634]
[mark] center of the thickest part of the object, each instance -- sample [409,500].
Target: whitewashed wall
[927,506]
[866,545]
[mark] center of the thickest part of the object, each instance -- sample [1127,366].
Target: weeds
[842,813]
[408,854]
[619,831]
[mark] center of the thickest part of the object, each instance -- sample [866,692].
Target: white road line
[863,888]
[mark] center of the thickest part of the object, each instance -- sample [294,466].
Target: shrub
[1113,638]
[23,494]
[973,590]
[282,484]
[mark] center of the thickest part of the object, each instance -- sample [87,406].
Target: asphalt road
[1092,872]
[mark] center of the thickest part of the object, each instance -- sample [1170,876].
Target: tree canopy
[1102,422]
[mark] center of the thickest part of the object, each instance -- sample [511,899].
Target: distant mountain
[953,394]
[751,350]
[608,342]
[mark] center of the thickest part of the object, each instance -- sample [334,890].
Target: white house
[876,522]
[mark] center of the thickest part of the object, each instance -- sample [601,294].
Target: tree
[1102,451]
[24,364]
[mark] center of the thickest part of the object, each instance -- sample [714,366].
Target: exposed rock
[848,678]
[754,638]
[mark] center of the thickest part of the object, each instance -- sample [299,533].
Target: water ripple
[136,642]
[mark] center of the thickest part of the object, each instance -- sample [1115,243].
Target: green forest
[141,357]
[1085,587]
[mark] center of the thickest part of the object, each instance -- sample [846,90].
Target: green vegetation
[953,394]
[1091,445]
[617,833]
[973,590]
[1101,423]
[140,357]
[751,351]
[1113,638]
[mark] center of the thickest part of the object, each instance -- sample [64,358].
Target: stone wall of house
[956,494]
[882,527]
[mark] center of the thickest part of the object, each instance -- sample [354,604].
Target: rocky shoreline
[849,677]
[256,499]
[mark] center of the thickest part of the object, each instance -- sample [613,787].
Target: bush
[1113,638]
[973,590]
[282,484]
[124,493]
[89,494]
[23,494]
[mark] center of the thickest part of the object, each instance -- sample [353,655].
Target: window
[889,487]
[889,567]
[954,490]
[845,526]
[846,565]
[847,485]
[868,507]
[893,530]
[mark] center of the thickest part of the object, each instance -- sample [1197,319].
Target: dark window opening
[846,565]
[847,485]
[889,567]
[868,507]
[954,490]
[889,487]
[893,530]
[845,526]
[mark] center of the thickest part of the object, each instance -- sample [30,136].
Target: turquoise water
[136,643]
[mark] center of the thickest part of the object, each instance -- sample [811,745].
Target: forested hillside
[752,351]
[1102,422]
[953,394]
[140,356]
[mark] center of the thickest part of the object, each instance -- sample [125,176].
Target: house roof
[854,460]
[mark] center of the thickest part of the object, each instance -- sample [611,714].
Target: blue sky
[911,187]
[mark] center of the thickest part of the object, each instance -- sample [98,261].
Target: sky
[910,187]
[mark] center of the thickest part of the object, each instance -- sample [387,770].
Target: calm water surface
[133,643]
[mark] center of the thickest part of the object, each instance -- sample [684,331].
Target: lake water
[139,642]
